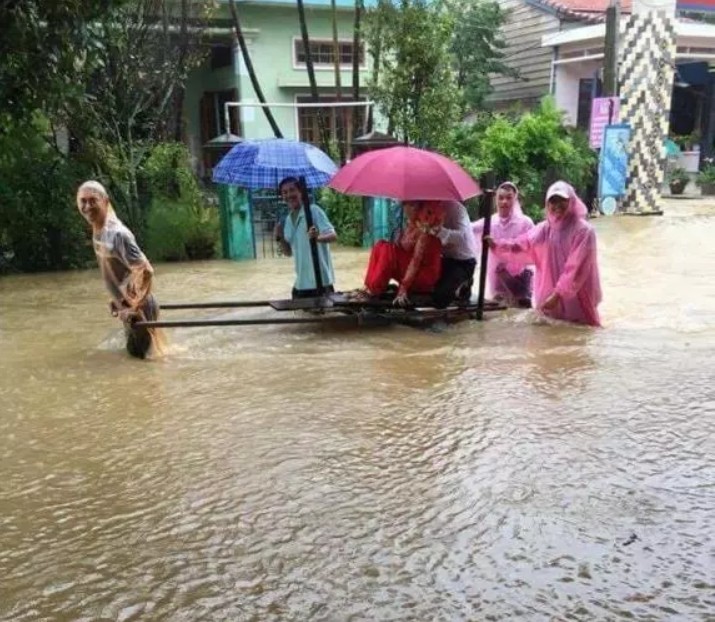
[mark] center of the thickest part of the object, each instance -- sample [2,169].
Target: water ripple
[486,472]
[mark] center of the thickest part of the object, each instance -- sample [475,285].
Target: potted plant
[678,179]
[695,140]
[687,142]
[706,179]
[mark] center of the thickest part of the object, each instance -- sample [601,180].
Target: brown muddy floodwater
[493,471]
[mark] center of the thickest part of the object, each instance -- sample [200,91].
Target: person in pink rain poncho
[508,281]
[563,249]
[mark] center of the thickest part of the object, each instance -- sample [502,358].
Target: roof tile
[591,10]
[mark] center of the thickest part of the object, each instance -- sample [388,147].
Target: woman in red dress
[413,260]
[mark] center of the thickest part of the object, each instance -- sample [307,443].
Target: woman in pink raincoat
[508,281]
[563,249]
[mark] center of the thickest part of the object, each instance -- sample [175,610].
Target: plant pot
[677,186]
[708,189]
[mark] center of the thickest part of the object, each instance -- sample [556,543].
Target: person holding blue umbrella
[294,167]
[295,238]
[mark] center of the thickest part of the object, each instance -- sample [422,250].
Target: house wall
[198,82]
[523,31]
[272,55]
[269,31]
[566,80]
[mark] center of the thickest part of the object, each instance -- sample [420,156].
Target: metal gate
[382,219]
[266,210]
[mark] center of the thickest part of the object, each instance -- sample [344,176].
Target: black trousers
[455,274]
[139,339]
[311,293]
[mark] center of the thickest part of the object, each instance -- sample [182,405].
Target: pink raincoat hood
[564,254]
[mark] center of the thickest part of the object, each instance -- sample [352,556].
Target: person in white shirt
[459,257]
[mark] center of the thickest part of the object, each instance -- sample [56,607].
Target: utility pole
[610,60]
[610,78]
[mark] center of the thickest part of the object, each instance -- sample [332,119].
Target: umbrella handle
[488,183]
[313,243]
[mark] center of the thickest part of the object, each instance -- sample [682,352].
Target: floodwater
[495,471]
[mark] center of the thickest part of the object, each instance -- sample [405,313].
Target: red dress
[414,260]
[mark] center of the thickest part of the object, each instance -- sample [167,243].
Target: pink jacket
[509,228]
[564,254]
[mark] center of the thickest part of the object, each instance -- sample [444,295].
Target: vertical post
[252,221]
[313,243]
[552,75]
[610,57]
[225,220]
[227,118]
[610,78]
[708,133]
[646,69]
[487,183]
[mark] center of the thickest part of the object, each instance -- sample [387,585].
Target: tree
[251,71]
[374,35]
[130,96]
[414,85]
[39,223]
[109,72]
[357,42]
[315,98]
[478,48]
[531,149]
[45,48]
[338,85]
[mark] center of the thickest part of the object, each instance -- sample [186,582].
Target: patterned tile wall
[647,67]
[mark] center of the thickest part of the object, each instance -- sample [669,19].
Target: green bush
[179,225]
[167,173]
[40,227]
[706,176]
[533,150]
[177,231]
[346,214]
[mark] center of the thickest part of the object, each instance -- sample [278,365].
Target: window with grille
[337,120]
[323,52]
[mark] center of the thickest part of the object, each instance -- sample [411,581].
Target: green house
[272,32]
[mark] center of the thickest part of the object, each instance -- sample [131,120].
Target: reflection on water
[488,471]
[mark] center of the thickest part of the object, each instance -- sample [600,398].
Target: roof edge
[557,8]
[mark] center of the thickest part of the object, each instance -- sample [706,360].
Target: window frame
[300,98]
[326,66]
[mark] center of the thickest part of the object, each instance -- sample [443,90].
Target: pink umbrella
[405,174]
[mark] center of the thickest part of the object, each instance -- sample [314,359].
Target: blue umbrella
[259,164]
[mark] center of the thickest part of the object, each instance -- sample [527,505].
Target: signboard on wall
[604,111]
[696,6]
[613,164]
